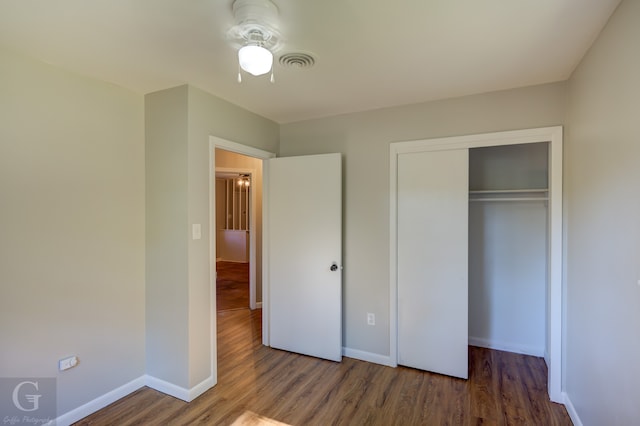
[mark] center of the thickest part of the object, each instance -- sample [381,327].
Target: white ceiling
[370,53]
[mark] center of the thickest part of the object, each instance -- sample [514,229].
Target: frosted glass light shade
[255,60]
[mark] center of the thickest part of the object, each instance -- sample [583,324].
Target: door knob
[334,267]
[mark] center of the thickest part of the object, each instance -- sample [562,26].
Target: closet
[476,249]
[508,187]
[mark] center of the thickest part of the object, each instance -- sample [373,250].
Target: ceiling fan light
[255,60]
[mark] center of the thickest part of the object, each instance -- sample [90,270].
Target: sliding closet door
[432,261]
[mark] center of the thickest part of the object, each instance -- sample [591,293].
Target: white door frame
[227,145]
[252,229]
[555,303]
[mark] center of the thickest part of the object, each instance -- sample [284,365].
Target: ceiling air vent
[297,60]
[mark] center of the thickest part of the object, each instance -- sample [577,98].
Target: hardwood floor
[232,285]
[503,389]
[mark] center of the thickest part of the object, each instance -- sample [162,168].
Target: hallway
[232,286]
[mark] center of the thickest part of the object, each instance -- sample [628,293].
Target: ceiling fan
[256,34]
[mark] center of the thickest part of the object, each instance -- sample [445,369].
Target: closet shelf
[507,191]
[471,200]
[540,194]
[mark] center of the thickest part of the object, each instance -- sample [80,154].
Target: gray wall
[212,116]
[71,230]
[167,338]
[364,139]
[602,189]
[179,122]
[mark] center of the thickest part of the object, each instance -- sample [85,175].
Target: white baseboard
[167,388]
[99,403]
[179,392]
[201,388]
[573,414]
[367,356]
[507,347]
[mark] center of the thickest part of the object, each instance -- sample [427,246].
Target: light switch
[196,231]
[371,319]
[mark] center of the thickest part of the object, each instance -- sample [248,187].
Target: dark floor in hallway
[232,285]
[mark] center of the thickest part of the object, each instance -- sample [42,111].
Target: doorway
[237,195]
[225,147]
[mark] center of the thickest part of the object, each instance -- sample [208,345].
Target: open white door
[305,255]
[432,191]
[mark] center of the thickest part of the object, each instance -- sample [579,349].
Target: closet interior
[508,247]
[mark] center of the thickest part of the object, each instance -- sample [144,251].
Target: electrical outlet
[67,363]
[371,319]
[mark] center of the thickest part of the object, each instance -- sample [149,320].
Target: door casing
[216,142]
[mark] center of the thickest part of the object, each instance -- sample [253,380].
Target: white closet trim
[553,135]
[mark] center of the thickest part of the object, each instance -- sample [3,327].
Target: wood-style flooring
[232,285]
[256,382]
